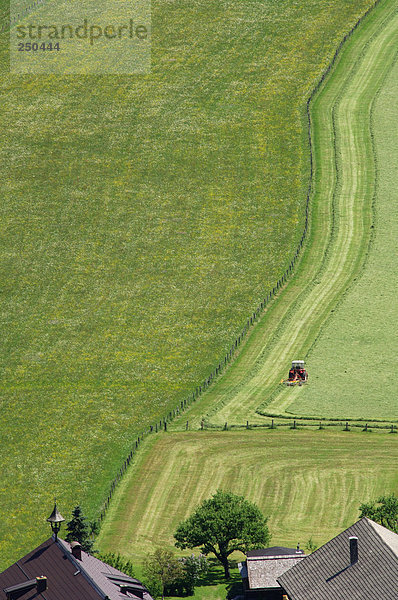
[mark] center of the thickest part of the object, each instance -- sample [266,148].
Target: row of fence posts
[162,424]
[294,425]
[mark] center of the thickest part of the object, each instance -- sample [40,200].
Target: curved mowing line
[342,215]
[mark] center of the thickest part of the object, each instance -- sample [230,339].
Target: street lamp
[55,520]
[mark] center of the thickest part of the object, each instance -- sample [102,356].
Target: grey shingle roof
[328,574]
[266,565]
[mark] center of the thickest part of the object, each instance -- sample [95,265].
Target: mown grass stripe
[310,484]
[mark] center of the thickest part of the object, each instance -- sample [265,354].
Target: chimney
[353,549]
[16,591]
[41,584]
[76,550]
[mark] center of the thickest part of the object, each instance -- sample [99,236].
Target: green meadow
[309,483]
[142,219]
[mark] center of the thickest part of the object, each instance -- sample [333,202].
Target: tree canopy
[79,530]
[163,567]
[223,524]
[383,510]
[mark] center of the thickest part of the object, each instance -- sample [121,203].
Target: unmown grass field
[142,219]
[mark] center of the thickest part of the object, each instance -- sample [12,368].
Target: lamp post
[55,520]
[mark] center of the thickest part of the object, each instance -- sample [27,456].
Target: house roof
[69,578]
[264,566]
[328,574]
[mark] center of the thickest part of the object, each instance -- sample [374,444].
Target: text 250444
[29,47]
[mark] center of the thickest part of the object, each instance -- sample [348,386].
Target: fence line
[294,423]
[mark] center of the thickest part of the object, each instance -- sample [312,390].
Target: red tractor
[297,374]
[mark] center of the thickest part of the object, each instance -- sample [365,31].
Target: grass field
[360,339]
[142,219]
[309,483]
[342,225]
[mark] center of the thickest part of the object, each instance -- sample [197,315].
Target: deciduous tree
[162,567]
[383,510]
[223,524]
[118,562]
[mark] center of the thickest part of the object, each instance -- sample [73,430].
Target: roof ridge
[62,545]
[376,528]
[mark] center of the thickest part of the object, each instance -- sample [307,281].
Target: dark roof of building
[274,551]
[328,574]
[69,578]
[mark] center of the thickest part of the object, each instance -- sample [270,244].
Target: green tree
[79,530]
[118,562]
[194,567]
[223,524]
[162,567]
[383,510]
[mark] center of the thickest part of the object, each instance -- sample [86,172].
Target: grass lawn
[309,483]
[142,219]
[360,339]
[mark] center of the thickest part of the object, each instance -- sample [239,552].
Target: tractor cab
[298,364]
[297,374]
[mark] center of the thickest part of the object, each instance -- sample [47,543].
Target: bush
[193,567]
[118,562]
